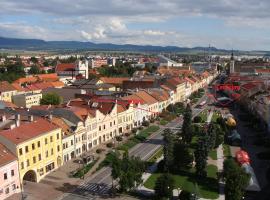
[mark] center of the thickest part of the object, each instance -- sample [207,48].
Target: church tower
[232,63]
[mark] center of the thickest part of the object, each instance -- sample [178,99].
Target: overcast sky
[237,24]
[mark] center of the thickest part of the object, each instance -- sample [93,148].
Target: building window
[5,176]
[27,163]
[99,128]
[46,141]
[26,149]
[104,127]
[33,146]
[51,151]
[22,165]
[57,136]
[39,157]
[34,159]
[49,167]
[12,172]
[7,190]
[71,142]
[110,124]
[38,143]
[58,148]
[51,138]
[20,151]
[14,186]
[47,154]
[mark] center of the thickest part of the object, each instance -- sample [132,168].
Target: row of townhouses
[38,139]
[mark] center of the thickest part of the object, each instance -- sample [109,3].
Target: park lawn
[193,143]
[213,154]
[208,187]
[163,122]
[156,156]
[226,150]
[140,137]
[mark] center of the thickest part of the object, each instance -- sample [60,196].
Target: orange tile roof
[6,87]
[28,131]
[65,67]
[135,98]
[6,156]
[120,108]
[262,70]
[30,79]
[160,95]
[58,84]
[62,124]
[48,77]
[114,80]
[146,97]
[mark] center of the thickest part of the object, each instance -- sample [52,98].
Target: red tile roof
[28,131]
[65,67]
[6,156]
[114,80]
[248,86]
[146,97]
[6,87]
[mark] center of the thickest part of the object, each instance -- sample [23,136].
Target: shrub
[184,195]
[145,123]
[118,138]
[127,134]
[110,145]
[134,130]
[99,150]
[152,120]
[140,128]
[197,119]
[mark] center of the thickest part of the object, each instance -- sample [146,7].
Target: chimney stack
[3,118]
[50,117]
[30,118]
[17,120]
[12,126]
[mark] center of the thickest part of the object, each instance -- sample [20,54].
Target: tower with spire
[232,63]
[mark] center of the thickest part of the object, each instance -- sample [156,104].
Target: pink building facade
[9,174]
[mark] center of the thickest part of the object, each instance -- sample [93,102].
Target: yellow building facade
[38,147]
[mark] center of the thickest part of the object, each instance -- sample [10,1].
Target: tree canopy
[51,99]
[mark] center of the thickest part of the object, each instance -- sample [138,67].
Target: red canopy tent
[242,157]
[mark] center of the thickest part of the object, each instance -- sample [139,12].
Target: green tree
[34,60]
[34,70]
[164,186]
[128,170]
[168,149]
[236,180]
[182,157]
[212,135]
[186,127]
[201,153]
[51,99]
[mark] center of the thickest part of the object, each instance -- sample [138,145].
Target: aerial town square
[129,100]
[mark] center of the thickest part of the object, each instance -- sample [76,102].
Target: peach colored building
[9,174]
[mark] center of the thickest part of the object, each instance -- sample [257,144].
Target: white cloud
[153,33]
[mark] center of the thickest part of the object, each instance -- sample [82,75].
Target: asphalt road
[100,183]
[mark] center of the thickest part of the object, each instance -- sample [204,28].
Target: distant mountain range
[36,44]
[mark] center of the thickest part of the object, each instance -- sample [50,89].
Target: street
[100,183]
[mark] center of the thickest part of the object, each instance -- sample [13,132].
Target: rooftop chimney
[30,118]
[12,126]
[17,120]
[3,118]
